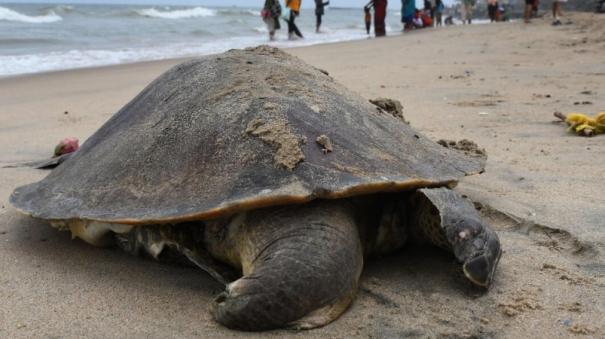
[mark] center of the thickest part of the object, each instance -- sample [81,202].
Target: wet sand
[497,85]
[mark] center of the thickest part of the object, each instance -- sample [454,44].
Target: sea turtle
[270,176]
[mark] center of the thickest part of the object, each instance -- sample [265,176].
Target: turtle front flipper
[301,266]
[448,220]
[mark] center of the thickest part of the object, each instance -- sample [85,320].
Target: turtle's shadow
[392,287]
[421,268]
[414,269]
[36,242]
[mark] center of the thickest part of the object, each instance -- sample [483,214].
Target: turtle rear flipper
[177,244]
[446,219]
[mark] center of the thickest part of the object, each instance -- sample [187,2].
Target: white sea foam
[261,29]
[195,12]
[457,21]
[239,11]
[61,9]
[129,38]
[10,15]
[61,60]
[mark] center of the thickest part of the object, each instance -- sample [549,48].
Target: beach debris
[45,164]
[583,124]
[49,163]
[466,146]
[391,106]
[582,103]
[325,143]
[63,151]
[466,74]
[67,145]
[323,71]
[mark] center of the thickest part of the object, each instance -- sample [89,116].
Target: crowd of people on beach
[431,15]
[272,11]
[531,11]
[412,18]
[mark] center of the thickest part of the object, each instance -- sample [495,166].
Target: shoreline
[131,33]
[174,61]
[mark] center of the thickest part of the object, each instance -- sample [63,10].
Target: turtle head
[473,243]
[450,221]
[478,247]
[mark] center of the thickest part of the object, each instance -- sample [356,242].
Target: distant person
[492,10]
[600,6]
[467,11]
[380,13]
[294,7]
[367,16]
[319,12]
[408,9]
[528,8]
[439,8]
[556,12]
[534,8]
[427,21]
[427,5]
[433,7]
[422,19]
[270,14]
[504,13]
[417,21]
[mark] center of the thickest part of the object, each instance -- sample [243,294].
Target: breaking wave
[239,11]
[59,9]
[196,12]
[10,15]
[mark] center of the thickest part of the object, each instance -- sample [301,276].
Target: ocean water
[41,37]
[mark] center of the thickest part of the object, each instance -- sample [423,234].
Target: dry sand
[495,84]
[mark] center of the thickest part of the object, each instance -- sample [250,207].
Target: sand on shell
[277,134]
[542,191]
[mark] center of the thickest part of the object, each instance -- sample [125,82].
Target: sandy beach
[498,85]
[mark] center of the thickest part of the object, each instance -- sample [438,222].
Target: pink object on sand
[67,145]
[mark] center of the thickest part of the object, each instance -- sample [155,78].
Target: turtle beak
[471,239]
[480,267]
